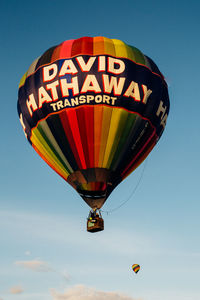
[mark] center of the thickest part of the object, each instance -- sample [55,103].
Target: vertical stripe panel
[89,135]
[107,114]
[132,163]
[109,47]
[98,119]
[39,143]
[66,47]
[98,45]
[120,48]
[125,141]
[49,138]
[139,57]
[32,67]
[70,126]
[83,134]
[111,144]
[82,46]
[56,53]
[148,149]
[120,122]
[63,175]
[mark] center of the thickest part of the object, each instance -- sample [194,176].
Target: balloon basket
[95,224]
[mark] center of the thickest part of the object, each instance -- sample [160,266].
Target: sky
[45,250]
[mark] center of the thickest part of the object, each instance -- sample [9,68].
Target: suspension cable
[133,192]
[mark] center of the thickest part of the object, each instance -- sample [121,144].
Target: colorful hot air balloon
[136,268]
[93,109]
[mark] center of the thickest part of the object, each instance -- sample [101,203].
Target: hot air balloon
[136,268]
[93,108]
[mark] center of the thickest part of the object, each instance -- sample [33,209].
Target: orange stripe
[98,47]
[89,124]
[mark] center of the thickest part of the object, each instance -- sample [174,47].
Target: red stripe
[86,128]
[89,122]
[66,47]
[68,117]
[83,45]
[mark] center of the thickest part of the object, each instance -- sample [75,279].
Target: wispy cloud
[38,265]
[81,292]
[16,290]
[65,275]
[22,224]
[27,253]
[35,265]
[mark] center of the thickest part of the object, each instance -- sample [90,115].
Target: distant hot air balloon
[136,268]
[93,109]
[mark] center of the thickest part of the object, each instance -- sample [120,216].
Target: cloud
[80,292]
[16,290]
[22,225]
[35,265]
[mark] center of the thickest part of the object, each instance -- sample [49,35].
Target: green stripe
[125,132]
[119,135]
[139,57]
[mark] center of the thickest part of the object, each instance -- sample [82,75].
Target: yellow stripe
[107,113]
[120,48]
[109,47]
[121,125]
[23,79]
[113,136]
[32,67]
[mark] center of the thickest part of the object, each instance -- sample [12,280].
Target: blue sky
[46,252]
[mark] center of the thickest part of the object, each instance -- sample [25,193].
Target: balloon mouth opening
[92,194]
[94,185]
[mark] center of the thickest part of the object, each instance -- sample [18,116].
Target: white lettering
[102,64]
[59,105]
[23,125]
[49,72]
[98,99]
[113,84]
[31,104]
[65,86]
[67,103]
[85,67]
[74,102]
[146,92]
[82,99]
[90,84]
[106,99]
[161,110]
[53,88]
[164,121]
[43,96]
[68,67]
[115,66]
[133,91]
[54,106]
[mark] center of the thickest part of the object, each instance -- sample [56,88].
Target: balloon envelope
[93,109]
[136,268]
